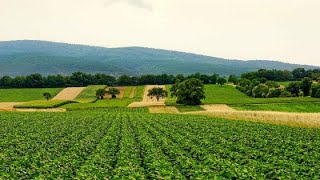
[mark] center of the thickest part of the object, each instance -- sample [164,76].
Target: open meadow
[26,94]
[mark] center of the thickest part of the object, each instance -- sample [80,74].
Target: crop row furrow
[156,163]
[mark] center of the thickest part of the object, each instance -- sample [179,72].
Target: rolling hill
[27,56]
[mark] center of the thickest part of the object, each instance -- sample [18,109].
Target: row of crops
[126,143]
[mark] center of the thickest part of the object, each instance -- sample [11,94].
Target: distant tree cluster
[79,79]
[298,74]
[271,89]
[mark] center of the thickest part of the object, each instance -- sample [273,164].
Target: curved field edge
[44,104]
[121,144]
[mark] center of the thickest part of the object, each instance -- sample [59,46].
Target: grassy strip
[127,91]
[139,92]
[124,102]
[89,94]
[26,94]
[39,104]
[288,107]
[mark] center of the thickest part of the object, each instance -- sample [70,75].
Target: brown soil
[217,107]
[69,93]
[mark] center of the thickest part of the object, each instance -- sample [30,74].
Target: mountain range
[24,57]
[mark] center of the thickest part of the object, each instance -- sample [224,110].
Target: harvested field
[163,109]
[217,107]
[119,96]
[69,93]
[8,106]
[147,101]
[308,120]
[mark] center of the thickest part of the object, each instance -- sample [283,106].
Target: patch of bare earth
[119,96]
[163,109]
[69,93]
[217,107]
[308,120]
[148,101]
[8,106]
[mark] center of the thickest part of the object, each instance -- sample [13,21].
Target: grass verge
[39,104]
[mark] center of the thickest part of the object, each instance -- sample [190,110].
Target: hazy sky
[286,30]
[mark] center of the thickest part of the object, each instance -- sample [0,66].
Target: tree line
[298,74]
[79,79]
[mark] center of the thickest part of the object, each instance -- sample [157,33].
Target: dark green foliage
[260,91]
[47,95]
[315,91]
[113,92]
[157,92]
[188,92]
[294,88]
[306,84]
[233,79]
[274,92]
[221,81]
[100,93]
[272,84]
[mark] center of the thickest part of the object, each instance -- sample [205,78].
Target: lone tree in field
[113,92]
[189,92]
[221,81]
[158,93]
[47,96]
[100,93]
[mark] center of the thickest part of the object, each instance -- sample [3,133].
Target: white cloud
[136,3]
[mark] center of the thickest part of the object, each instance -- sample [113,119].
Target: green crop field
[89,94]
[133,144]
[24,95]
[285,107]
[227,94]
[38,104]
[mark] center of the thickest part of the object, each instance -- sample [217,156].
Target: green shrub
[260,91]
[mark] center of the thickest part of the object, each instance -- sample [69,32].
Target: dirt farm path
[8,106]
[69,93]
[147,101]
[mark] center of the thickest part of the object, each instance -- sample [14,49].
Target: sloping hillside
[25,57]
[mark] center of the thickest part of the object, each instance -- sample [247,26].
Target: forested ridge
[20,58]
